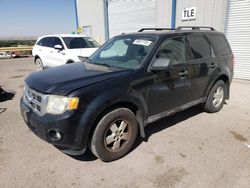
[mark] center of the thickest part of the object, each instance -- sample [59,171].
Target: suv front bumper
[63,127]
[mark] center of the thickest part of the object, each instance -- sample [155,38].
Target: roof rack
[195,28]
[154,29]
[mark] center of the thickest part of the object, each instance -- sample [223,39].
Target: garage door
[130,15]
[238,34]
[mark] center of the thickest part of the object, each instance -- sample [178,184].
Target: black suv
[130,81]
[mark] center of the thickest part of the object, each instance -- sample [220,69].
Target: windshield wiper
[104,64]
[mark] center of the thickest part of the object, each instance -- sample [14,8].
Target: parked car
[4,55]
[131,81]
[54,50]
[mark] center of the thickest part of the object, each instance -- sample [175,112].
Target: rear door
[203,64]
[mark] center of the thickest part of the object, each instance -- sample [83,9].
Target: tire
[114,135]
[39,64]
[216,97]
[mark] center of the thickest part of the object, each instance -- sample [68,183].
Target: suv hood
[63,79]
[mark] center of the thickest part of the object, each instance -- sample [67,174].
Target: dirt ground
[188,149]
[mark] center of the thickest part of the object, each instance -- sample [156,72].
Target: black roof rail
[154,29]
[195,27]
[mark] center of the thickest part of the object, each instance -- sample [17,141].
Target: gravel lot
[189,149]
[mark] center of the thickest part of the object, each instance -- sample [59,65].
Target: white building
[103,19]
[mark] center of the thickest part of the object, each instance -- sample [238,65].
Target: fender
[105,101]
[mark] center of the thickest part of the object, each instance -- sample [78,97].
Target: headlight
[59,104]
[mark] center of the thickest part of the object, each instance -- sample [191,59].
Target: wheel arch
[36,57]
[226,80]
[121,104]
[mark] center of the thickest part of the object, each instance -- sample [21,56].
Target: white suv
[54,50]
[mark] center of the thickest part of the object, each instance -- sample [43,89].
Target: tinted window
[79,42]
[220,44]
[47,42]
[57,41]
[200,47]
[41,42]
[173,49]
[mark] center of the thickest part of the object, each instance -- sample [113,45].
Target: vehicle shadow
[165,123]
[87,156]
[151,129]
[6,95]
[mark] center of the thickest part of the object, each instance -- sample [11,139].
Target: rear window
[80,42]
[220,44]
[199,47]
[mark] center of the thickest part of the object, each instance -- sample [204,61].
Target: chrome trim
[35,100]
[172,111]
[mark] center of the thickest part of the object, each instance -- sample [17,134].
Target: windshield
[127,52]
[80,42]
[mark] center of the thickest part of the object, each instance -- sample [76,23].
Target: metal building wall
[163,13]
[237,31]
[91,13]
[208,13]
[127,16]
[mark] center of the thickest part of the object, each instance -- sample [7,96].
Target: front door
[169,88]
[57,57]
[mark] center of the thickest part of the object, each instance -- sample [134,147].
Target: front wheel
[216,97]
[39,64]
[114,135]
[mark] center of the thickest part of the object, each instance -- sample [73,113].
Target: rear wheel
[114,135]
[216,97]
[39,64]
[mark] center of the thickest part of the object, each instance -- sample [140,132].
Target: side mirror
[58,47]
[160,64]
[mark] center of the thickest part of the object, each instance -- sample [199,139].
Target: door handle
[183,73]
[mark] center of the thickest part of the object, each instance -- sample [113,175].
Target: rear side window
[41,42]
[220,44]
[46,42]
[199,47]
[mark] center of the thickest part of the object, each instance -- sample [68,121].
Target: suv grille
[35,100]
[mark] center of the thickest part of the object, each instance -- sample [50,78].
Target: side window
[57,41]
[47,42]
[220,44]
[199,47]
[173,50]
[41,42]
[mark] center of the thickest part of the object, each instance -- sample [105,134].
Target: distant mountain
[2,38]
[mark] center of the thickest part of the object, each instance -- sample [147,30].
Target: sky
[36,17]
